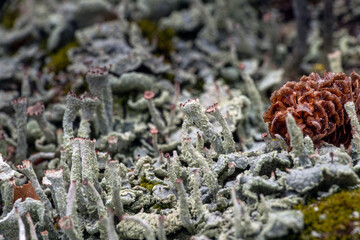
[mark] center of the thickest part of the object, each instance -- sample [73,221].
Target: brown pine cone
[317,104]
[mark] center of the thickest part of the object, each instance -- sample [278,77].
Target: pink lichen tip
[66,223]
[148,95]
[36,110]
[241,66]
[112,139]
[25,164]
[154,131]
[98,70]
[187,139]
[72,94]
[162,218]
[85,182]
[18,100]
[179,180]
[167,155]
[213,108]
[172,106]
[182,105]
[44,233]
[87,95]
[231,164]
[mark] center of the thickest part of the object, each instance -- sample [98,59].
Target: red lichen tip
[212,108]
[148,95]
[44,233]
[85,182]
[154,131]
[167,155]
[36,110]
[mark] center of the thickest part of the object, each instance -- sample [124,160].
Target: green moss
[162,206]
[164,37]
[332,217]
[169,76]
[147,184]
[10,14]
[60,60]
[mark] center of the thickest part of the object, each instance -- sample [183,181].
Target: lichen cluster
[144,120]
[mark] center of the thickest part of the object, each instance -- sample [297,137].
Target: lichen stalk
[210,178]
[171,170]
[193,111]
[57,188]
[97,79]
[297,141]
[161,230]
[200,143]
[45,235]
[196,194]
[70,221]
[238,214]
[255,98]
[184,207]
[73,105]
[228,143]
[89,165]
[113,167]
[88,109]
[154,140]
[350,110]
[64,166]
[94,197]
[37,112]
[33,235]
[22,231]
[110,226]
[67,225]
[154,113]
[19,106]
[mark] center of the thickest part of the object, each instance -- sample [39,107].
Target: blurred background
[278,39]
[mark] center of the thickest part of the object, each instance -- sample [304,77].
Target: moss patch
[147,184]
[60,60]
[164,37]
[334,217]
[10,14]
[162,206]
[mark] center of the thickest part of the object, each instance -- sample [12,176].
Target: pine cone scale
[317,104]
